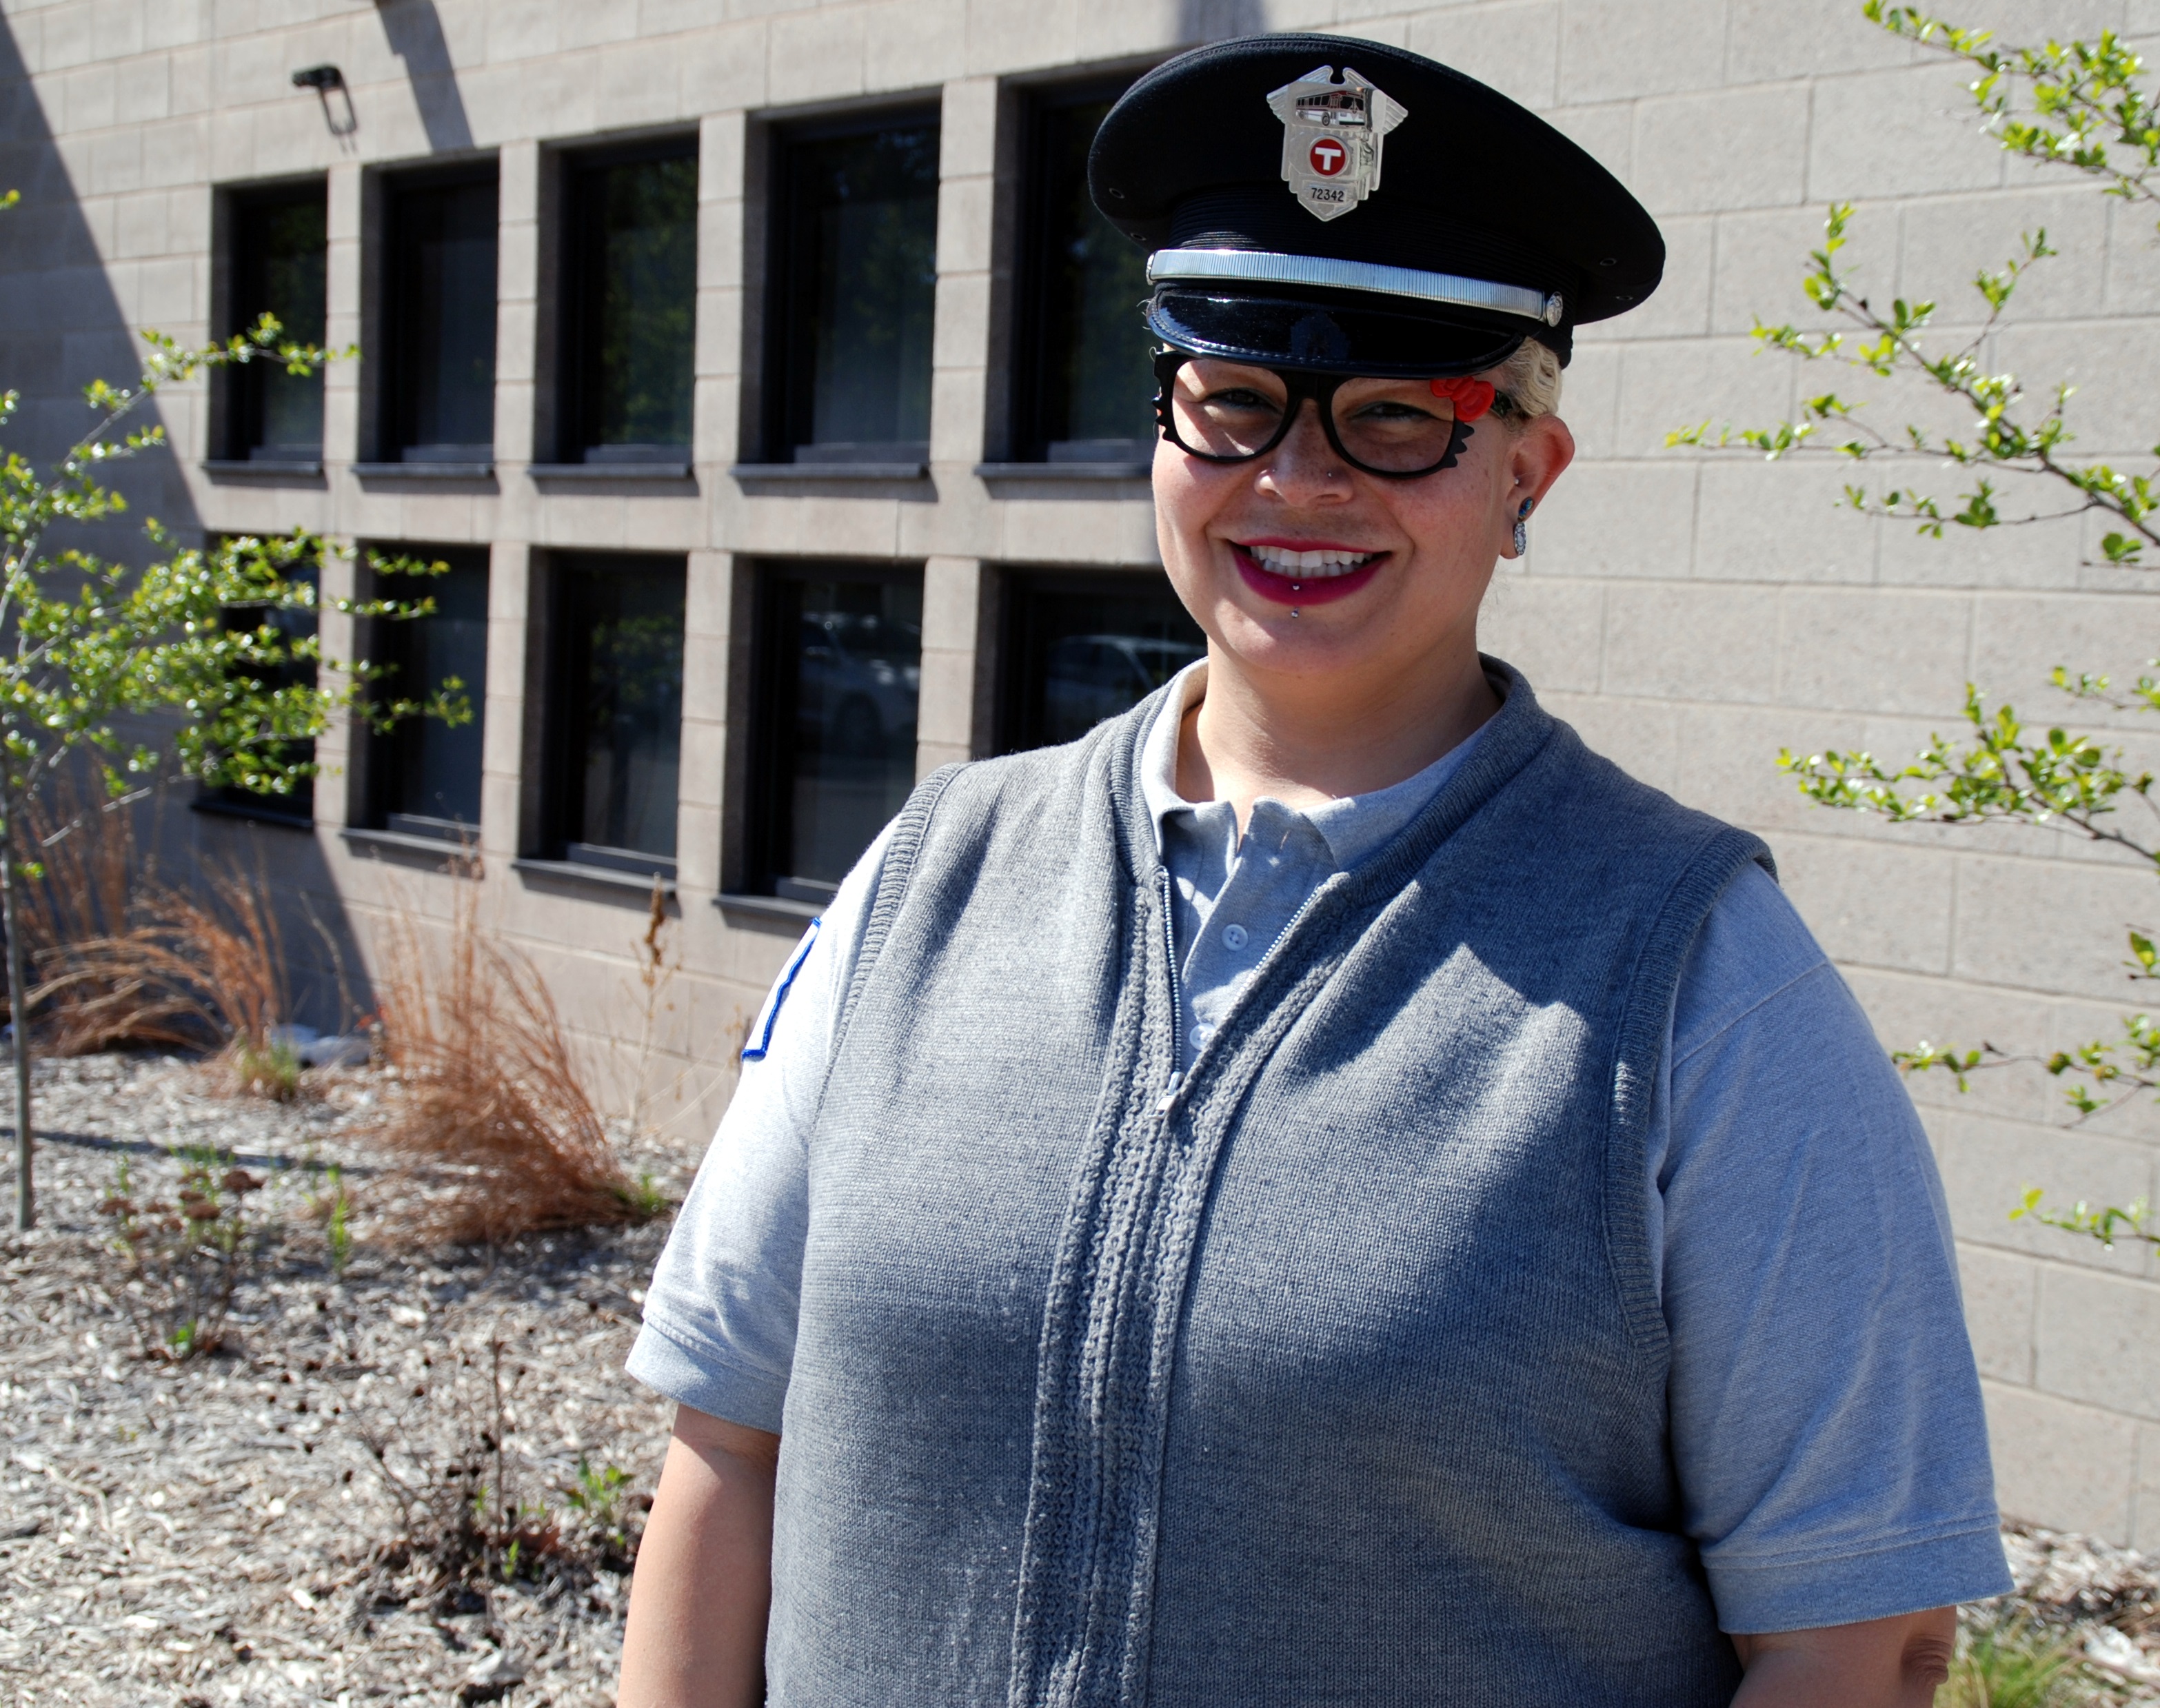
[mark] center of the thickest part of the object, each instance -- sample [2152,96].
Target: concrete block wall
[1692,614]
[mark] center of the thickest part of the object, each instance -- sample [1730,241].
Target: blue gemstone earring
[1522,528]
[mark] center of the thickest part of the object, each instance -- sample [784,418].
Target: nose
[1304,469]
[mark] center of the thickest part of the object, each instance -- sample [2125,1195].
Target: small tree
[2079,105]
[190,642]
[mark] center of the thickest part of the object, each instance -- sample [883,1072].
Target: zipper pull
[1170,1093]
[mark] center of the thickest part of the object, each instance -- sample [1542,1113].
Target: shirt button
[1234,935]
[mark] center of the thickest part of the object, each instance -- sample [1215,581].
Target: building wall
[1693,614]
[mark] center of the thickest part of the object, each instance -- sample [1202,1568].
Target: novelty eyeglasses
[1231,412]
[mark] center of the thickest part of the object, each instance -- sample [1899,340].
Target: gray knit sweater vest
[1333,1374]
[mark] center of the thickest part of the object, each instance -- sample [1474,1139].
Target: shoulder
[1752,952]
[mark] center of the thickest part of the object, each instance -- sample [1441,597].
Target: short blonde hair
[1530,379]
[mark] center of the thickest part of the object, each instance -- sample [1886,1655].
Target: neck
[1304,740]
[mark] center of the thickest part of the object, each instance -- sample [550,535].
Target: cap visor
[1331,333]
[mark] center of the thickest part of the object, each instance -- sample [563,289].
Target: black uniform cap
[1486,225]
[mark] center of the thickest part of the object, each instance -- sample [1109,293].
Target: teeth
[1321,564]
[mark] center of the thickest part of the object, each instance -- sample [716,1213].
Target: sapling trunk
[18,984]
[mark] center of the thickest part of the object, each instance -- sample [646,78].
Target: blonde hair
[1530,379]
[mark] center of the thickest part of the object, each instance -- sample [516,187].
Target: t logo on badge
[1332,135]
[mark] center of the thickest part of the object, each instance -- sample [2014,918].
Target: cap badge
[1332,136]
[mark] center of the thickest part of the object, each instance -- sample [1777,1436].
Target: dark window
[440,299]
[840,668]
[617,701]
[426,772]
[1084,385]
[299,803]
[280,248]
[632,307]
[853,293]
[1081,648]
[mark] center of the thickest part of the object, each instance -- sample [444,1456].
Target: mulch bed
[218,1531]
[221,1530]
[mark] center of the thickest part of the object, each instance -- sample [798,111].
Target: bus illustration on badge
[1332,136]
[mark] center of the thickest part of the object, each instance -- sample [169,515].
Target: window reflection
[1083,356]
[844,669]
[441,302]
[280,247]
[620,671]
[853,295]
[1081,648]
[429,782]
[634,320]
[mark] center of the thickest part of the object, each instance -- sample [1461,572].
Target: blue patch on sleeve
[760,1033]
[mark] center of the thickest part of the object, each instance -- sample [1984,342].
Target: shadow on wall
[416,37]
[66,318]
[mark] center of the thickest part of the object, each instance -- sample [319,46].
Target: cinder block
[1872,905]
[523,29]
[89,98]
[1003,38]
[915,47]
[816,55]
[1631,519]
[2098,1340]
[967,224]
[1988,1166]
[2019,639]
[640,83]
[1607,51]
[1726,150]
[172,23]
[1549,627]
[1669,385]
[1780,523]
[724,67]
[1763,256]
[2062,1465]
[585,24]
[1999,1295]
[2112,412]
[1775,40]
[1902,132]
[1873,651]
[2071,942]
[1670,640]
[1514,48]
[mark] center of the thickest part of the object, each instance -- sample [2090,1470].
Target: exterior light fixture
[324,80]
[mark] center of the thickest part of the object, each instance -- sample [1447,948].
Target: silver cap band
[1258,267]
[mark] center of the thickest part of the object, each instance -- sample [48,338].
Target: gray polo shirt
[1796,1220]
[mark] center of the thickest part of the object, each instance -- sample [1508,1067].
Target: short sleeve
[1825,1411]
[719,1316]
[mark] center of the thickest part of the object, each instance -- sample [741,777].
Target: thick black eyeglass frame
[1299,383]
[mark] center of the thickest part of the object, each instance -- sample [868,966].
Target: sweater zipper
[1176,1081]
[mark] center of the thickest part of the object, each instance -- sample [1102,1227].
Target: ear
[1539,457]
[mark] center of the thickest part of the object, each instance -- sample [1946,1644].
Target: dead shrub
[490,1113]
[93,886]
[209,966]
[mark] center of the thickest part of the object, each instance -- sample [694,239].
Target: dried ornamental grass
[491,1116]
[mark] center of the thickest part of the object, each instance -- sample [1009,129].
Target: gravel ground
[221,1531]
[215,1532]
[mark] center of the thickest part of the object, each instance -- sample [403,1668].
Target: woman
[1322,1191]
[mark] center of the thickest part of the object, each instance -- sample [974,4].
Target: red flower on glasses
[1472,398]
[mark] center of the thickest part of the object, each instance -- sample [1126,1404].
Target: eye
[1239,397]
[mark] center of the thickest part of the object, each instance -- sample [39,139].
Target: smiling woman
[1322,1189]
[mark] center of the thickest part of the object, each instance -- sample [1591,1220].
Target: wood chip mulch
[217,1531]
